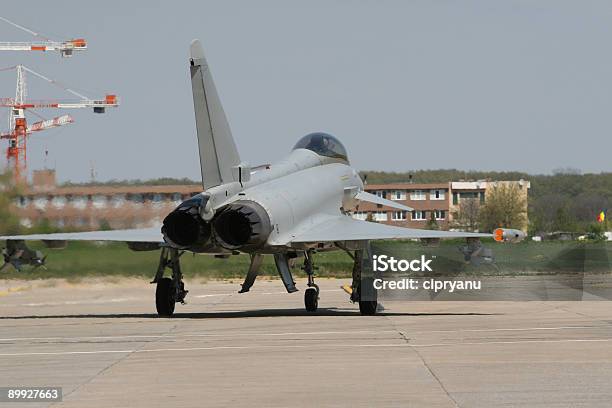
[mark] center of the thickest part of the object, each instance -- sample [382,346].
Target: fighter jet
[292,209]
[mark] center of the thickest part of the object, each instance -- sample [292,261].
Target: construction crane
[65,48]
[17,135]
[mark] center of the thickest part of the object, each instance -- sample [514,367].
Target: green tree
[563,221]
[104,225]
[432,224]
[468,215]
[9,224]
[505,207]
[596,231]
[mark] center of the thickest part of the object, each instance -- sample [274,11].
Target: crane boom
[109,101]
[65,48]
[42,125]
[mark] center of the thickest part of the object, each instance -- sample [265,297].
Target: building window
[417,195]
[177,198]
[418,215]
[398,215]
[455,199]
[157,200]
[436,195]
[23,202]
[380,216]
[360,215]
[482,197]
[118,201]
[468,194]
[40,202]
[398,195]
[136,198]
[99,201]
[59,201]
[79,202]
[381,193]
[440,214]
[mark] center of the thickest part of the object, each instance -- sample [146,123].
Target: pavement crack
[113,364]
[433,374]
[406,339]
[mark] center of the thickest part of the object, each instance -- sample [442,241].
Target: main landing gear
[169,291]
[362,288]
[311,295]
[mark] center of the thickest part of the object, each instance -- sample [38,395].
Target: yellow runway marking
[13,290]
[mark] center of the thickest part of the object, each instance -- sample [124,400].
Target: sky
[473,85]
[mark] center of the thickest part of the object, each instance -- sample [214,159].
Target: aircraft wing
[128,235]
[345,228]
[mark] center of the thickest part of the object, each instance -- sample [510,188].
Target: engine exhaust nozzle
[184,227]
[242,225]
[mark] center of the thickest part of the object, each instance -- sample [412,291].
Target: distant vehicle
[295,208]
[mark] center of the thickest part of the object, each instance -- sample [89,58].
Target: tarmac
[104,345]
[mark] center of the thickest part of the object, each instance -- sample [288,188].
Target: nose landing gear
[311,295]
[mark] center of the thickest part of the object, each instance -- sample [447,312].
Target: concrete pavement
[105,346]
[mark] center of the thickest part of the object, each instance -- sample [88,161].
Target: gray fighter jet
[294,208]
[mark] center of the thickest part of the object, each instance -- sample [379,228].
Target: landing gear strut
[169,291]
[363,290]
[311,295]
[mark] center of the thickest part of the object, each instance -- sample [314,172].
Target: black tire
[368,307]
[164,297]
[311,299]
[369,294]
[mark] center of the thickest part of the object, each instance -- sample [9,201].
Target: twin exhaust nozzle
[239,225]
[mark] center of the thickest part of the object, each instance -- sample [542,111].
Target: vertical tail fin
[218,153]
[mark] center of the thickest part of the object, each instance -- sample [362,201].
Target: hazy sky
[488,85]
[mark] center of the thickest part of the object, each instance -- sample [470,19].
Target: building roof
[406,186]
[113,190]
[484,184]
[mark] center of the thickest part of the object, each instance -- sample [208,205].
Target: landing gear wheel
[368,307]
[311,299]
[164,297]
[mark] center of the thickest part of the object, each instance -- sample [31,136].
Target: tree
[9,224]
[505,207]
[432,224]
[596,231]
[468,214]
[563,221]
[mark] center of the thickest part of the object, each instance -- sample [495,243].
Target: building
[439,202]
[477,190]
[101,206]
[138,206]
[426,199]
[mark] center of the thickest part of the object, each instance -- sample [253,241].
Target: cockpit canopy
[323,144]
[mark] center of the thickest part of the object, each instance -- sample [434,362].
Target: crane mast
[19,130]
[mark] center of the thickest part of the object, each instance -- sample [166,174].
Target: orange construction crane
[65,48]
[17,135]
